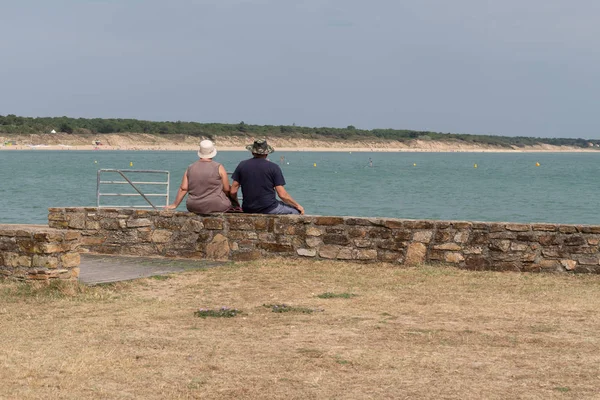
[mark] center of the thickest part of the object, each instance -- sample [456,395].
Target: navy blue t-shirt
[258,178]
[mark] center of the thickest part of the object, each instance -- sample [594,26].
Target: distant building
[52,131]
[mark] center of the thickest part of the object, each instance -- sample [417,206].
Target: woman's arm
[224,179]
[183,189]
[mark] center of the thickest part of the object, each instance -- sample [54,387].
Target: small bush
[223,312]
[331,295]
[282,308]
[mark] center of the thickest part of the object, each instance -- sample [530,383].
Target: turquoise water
[504,187]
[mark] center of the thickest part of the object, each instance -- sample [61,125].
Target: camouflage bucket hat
[260,146]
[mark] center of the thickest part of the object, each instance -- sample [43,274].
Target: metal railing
[134,184]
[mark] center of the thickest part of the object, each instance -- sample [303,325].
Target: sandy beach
[140,141]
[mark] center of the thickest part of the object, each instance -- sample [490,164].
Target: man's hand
[170,207]
[301,209]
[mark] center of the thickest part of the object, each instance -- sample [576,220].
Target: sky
[499,67]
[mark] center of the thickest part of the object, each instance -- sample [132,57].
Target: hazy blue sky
[506,67]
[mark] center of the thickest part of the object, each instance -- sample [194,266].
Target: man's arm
[233,192]
[287,199]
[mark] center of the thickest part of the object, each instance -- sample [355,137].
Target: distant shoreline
[147,142]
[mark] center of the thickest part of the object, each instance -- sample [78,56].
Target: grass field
[305,330]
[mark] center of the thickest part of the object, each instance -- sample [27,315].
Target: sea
[507,187]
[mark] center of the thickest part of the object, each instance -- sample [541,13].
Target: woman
[206,182]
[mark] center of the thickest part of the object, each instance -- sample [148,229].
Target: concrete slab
[98,268]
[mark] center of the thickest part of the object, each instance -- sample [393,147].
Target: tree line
[12,124]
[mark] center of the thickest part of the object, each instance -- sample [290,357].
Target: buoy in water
[414,164]
[131,163]
[95,161]
[474,165]
[314,164]
[537,164]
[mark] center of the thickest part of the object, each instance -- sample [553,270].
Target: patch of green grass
[283,308]
[331,295]
[223,312]
[562,389]
[160,277]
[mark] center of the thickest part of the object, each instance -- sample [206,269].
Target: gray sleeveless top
[205,188]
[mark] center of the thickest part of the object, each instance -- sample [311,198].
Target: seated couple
[207,185]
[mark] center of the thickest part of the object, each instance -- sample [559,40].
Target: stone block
[461,237]
[241,235]
[266,237]
[27,245]
[502,256]
[329,221]
[444,235]
[276,247]
[528,257]
[192,225]
[505,266]
[412,224]
[329,251]
[500,245]
[264,224]
[76,220]
[477,237]
[389,256]
[161,236]
[213,223]
[307,252]
[473,250]
[56,216]
[92,240]
[48,236]
[240,223]
[402,235]
[47,248]
[549,264]
[379,233]
[551,252]
[548,240]
[567,229]
[365,254]
[589,229]
[574,241]
[519,246]
[453,258]
[518,227]
[423,236]
[448,246]
[58,224]
[392,224]
[69,260]
[544,227]
[110,224]
[364,221]
[313,242]
[15,260]
[462,225]
[312,231]
[357,232]
[362,243]
[335,239]
[247,255]
[39,261]
[7,243]
[593,241]
[345,253]
[218,248]
[436,255]
[416,253]
[137,223]
[476,263]
[569,265]
[583,260]
[496,227]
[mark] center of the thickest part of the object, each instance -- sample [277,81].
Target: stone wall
[469,245]
[30,252]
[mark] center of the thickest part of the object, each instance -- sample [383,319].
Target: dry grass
[428,332]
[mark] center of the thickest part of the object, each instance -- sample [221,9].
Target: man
[260,179]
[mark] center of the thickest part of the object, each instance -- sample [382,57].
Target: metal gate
[138,185]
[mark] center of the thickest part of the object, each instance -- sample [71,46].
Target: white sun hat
[207,149]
